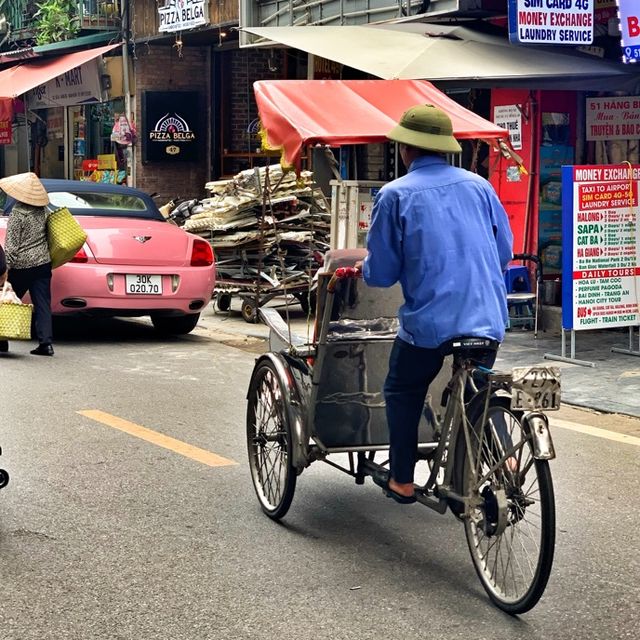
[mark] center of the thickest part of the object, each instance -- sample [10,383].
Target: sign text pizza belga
[179,15]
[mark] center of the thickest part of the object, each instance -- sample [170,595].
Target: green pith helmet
[426,127]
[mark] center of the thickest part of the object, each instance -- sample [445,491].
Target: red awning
[6,109]
[20,78]
[339,112]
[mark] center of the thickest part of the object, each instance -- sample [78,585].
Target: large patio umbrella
[451,54]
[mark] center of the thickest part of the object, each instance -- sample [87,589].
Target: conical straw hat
[27,188]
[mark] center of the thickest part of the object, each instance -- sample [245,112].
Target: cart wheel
[269,442]
[249,311]
[4,478]
[223,301]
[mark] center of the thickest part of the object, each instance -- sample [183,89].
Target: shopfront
[68,121]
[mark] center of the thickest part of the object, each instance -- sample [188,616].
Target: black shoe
[4,346]
[383,481]
[43,350]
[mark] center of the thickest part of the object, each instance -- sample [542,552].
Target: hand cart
[254,296]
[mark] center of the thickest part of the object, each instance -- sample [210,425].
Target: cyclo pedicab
[486,440]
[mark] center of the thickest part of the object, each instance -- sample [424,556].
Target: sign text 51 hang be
[613,118]
[600,266]
[563,22]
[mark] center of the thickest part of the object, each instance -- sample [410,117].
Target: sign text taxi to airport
[562,22]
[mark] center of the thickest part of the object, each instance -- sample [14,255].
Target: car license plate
[535,388]
[143,285]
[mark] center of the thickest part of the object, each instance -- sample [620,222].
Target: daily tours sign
[600,266]
[563,22]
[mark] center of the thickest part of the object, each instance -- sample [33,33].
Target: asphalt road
[106,535]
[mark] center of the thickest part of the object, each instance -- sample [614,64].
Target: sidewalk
[612,386]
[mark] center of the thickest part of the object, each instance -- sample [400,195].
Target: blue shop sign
[629,13]
[550,22]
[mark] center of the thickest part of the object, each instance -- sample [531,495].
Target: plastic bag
[7,294]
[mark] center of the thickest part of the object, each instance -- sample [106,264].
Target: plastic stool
[520,299]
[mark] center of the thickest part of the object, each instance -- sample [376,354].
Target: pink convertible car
[133,262]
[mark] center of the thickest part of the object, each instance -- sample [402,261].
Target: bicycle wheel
[269,442]
[511,533]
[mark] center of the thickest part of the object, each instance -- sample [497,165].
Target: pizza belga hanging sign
[550,22]
[179,15]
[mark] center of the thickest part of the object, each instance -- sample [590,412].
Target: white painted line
[595,431]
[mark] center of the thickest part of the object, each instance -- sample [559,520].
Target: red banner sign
[5,132]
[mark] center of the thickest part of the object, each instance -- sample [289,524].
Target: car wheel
[176,325]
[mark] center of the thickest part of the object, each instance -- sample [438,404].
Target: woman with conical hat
[27,252]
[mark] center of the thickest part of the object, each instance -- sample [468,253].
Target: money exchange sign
[600,246]
[568,22]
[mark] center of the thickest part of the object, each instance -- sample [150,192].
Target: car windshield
[97,203]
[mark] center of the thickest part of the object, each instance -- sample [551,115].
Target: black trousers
[37,281]
[411,370]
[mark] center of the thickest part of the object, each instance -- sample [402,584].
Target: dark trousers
[37,281]
[411,370]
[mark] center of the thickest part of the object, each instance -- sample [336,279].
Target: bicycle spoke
[508,560]
[268,442]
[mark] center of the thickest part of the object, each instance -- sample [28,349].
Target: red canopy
[339,112]
[20,78]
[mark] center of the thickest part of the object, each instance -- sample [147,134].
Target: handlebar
[342,273]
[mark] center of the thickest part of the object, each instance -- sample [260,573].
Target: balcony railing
[93,14]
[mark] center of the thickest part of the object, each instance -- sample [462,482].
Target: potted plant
[56,20]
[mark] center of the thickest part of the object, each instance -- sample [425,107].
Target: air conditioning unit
[4,25]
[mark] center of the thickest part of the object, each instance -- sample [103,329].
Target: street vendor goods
[15,317]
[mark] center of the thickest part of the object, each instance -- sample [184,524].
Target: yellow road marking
[595,431]
[159,439]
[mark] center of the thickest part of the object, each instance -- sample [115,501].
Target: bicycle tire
[529,493]
[269,442]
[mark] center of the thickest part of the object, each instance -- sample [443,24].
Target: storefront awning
[339,112]
[23,77]
[454,55]
[6,109]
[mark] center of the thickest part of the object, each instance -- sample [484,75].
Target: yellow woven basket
[15,321]
[65,235]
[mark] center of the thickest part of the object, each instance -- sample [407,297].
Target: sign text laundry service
[600,266]
[568,22]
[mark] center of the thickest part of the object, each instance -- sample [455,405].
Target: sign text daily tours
[599,245]
[563,22]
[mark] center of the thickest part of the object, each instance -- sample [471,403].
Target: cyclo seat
[354,339]
[460,346]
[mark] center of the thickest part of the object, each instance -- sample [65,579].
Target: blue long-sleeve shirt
[442,232]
